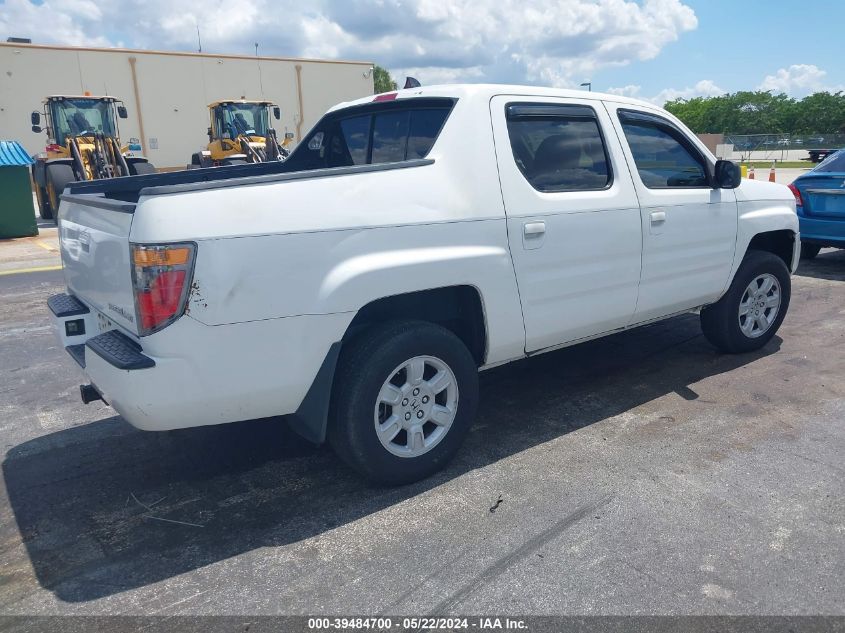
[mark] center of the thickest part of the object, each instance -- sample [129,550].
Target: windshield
[234,119]
[835,162]
[81,117]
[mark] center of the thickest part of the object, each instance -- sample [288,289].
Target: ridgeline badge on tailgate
[122,312]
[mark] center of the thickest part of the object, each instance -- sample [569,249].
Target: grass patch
[792,164]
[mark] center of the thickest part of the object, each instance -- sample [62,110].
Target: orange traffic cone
[772,173]
[751,172]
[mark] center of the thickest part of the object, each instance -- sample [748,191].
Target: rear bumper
[825,232]
[75,324]
[191,374]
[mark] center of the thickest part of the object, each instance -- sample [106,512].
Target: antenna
[199,39]
[260,78]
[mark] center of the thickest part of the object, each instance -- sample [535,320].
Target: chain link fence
[783,146]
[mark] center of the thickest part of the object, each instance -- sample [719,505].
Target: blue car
[820,201]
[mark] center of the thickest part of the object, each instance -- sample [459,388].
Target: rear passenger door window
[663,155]
[558,147]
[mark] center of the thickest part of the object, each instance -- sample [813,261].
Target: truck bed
[128,189]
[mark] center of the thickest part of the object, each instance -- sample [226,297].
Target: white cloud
[704,88]
[554,42]
[631,90]
[798,80]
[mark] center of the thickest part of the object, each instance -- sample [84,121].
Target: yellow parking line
[38,269]
[47,247]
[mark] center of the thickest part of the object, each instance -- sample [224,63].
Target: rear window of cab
[375,133]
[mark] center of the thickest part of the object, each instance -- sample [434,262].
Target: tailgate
[94,238]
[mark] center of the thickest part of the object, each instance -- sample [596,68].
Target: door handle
[532,229]
[658,216]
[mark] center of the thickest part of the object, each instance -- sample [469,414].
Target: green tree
[382,80]
[761,112]
[821,112]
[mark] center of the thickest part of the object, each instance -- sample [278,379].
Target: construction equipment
[240,132]
[83,143]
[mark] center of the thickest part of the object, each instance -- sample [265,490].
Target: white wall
[174,90]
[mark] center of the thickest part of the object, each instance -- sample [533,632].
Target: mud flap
[311,418]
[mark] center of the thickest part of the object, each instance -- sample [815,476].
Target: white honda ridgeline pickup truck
[411,239]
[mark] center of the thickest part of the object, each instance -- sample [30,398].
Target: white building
[167,93]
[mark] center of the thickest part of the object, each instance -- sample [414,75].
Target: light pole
[589,85]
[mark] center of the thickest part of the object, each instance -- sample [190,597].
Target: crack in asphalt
[520,552]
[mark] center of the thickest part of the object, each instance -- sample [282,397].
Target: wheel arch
[458,308]
[780,242]
[766,226]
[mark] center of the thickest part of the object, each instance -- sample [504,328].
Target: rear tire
[404,399]
[59,176]
[809,251]
[141,168]
[751,311]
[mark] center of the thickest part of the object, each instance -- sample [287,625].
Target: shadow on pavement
[829,264]
[78,494]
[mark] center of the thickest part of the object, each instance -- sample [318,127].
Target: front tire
[751,311]
[59,176]
[405,396]
[44,209]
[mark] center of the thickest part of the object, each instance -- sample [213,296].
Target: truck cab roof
[487,91]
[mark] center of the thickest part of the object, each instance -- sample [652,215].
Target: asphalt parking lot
[639,474]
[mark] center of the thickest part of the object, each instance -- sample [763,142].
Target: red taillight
[161,300]
[161,276]
[798,200]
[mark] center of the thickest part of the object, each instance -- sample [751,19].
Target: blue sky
[739,43]
[652,49]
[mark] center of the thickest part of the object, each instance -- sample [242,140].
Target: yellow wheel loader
[240,132]
[83,143]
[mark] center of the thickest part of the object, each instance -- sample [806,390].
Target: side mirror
[121,112]
[35,118]
[726,175]
[289,135]
[277,112]
[36,129]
